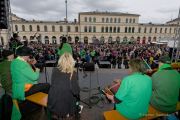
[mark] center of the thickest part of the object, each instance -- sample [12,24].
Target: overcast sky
[156,11]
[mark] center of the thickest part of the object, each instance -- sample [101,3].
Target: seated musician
[133,96]
[64,91]
[166,85]
[24,78]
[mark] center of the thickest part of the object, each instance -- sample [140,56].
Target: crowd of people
[19,76]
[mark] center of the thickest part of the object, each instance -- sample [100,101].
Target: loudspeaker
[89,67]
[104,64]
[4,14]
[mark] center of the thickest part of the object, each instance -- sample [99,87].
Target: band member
[64,92]
[134,92]
[24,78]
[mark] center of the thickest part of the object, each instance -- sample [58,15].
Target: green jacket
[5,76]
[21,73]
[66,48]
[166,85]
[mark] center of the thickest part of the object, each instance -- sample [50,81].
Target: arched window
[38,28]
[90,29]
[76,29]
[160,30]
[114,29]
[110,39]
[54,41]
[125,39]
[85,19]
[46,38]
[165,31]
[30,28]
[107,20]
[139,30]
[69,28]
[111,20]
[61,28]
[130,20]
[126,20]
[102,40]
[125,29]
[102,29]
[86,40]
[133,29]
[16,28]
[103,20]
[115,20]
[149,39]
[53,28]
[150,30]
[118,30]
[94,28]
[134,20]
[90,19]
[154,38]
[106,29]
[69,39]
[85,28]
[2,41]
[119,20]
[45,28]
[24,38]
[110,30]
[94,19]
[118,40]
[23,28]
[31,37]
[145,30]
[155,30]
[129,29]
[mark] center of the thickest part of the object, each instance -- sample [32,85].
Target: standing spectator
[64,47]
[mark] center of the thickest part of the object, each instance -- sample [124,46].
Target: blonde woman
[64,90]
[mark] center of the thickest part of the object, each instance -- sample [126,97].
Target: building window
[107,20]
[170,30]
[94,19]
[54,41]
[130,20]
[129,29]
[53,28]
[114,29]
[2,41]
[165,30]
[145,30]
[30,27]
[69,28]
[118,29]
[85,19]
[126,20]
[90,19]
[103,20]
[160,30]
[133,30]
[111,20]
[139,30]
[85,29]
[125,29]
[76,29]
[23,28]
[45,28]
[174,30]
[155,30]
[150,30]
[38,28]
[110,30]
[102,29]
[94,28]
[61,29]
[134,20]
[90,29]
[115,20]
[119,20]
[106,29]
[16,28]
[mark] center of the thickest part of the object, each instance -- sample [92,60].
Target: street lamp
[66,20]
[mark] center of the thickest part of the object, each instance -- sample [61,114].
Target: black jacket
[61,99]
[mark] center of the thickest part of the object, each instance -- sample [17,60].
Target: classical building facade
[93,27]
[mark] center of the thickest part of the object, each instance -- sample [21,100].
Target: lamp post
[66,20]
